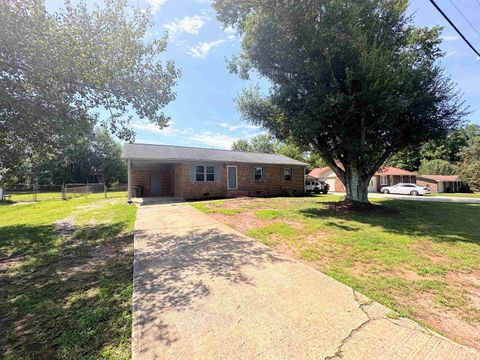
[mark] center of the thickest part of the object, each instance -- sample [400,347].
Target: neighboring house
[195,173]
[440,183]
[385,176]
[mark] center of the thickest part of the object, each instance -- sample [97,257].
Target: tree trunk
[356,187]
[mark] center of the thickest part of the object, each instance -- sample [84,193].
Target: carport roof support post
[129,166]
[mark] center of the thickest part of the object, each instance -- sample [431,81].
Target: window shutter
[216,173]
[264,174]
[291,174]
[191,173]
[253,174]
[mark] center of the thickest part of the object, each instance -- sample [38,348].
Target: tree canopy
[356,80]
[95,156]
[60,70]
[266,143]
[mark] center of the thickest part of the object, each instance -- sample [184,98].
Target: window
[258,174]
[200,173]
[287,174]
[204,173]
[210,174]
[383,180]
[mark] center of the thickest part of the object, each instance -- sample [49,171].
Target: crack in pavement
[361,305]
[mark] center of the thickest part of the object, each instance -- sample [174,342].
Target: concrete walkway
[205,291]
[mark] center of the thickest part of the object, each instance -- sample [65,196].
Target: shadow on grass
[172,272]
[65,294]
[445,222]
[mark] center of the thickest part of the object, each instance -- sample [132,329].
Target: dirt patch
[10,261]
[470,282]
[445,320]
[425,248]
[367,209]
[243,221]
[65,226]
[18,203]
[361,269]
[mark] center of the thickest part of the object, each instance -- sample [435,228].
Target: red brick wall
[183,187]
[339,187]
[142,177]
[273,185]
[430,183]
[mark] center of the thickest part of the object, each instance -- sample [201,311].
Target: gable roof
[384,170]
[319,171]
[439,178]
[390,170]
[183,153]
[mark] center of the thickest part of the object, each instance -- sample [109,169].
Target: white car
[405,189]
[317,187]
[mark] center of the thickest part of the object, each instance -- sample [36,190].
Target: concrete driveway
[205,291]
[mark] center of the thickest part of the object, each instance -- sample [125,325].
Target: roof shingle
[184,153]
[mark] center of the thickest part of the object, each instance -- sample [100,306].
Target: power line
[468,21]
[456,29]
[478,2]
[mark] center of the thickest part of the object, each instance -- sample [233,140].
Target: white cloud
[202,136]
[155,5]
[450,37]
[450,53]
[188,24]
[231,127]
[147,126]
[214,139]
[201,50]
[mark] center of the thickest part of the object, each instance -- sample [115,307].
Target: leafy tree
[437,167]
[407,159]
[109,166]
[356,80]
[59,70]
[241,145]
[314,160]
[263,143]
[291,150]
[470,165]
[92,157]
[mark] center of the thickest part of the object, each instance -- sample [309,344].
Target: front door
[232,178]
[161,183]
[155,184]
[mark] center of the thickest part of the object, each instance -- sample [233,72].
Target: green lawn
[66,279]
[57,195]
[466,195]
[421,259]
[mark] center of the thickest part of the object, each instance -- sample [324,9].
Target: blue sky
[204,113]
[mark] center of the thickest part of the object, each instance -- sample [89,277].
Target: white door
[232,181]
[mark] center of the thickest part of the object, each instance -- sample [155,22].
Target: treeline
[266,143]
[457,154]
[91,158]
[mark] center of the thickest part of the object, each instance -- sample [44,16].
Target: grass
[419,258]
[475,195]
[66,279]
[28,197]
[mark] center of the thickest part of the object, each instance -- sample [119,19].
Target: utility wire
[478,2]
[456,29]
[468,21]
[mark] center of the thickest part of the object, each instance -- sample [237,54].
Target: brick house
[385,176]
[196,173]
[440,183]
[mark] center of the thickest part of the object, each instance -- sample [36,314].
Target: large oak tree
[356,80]
[60,70]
